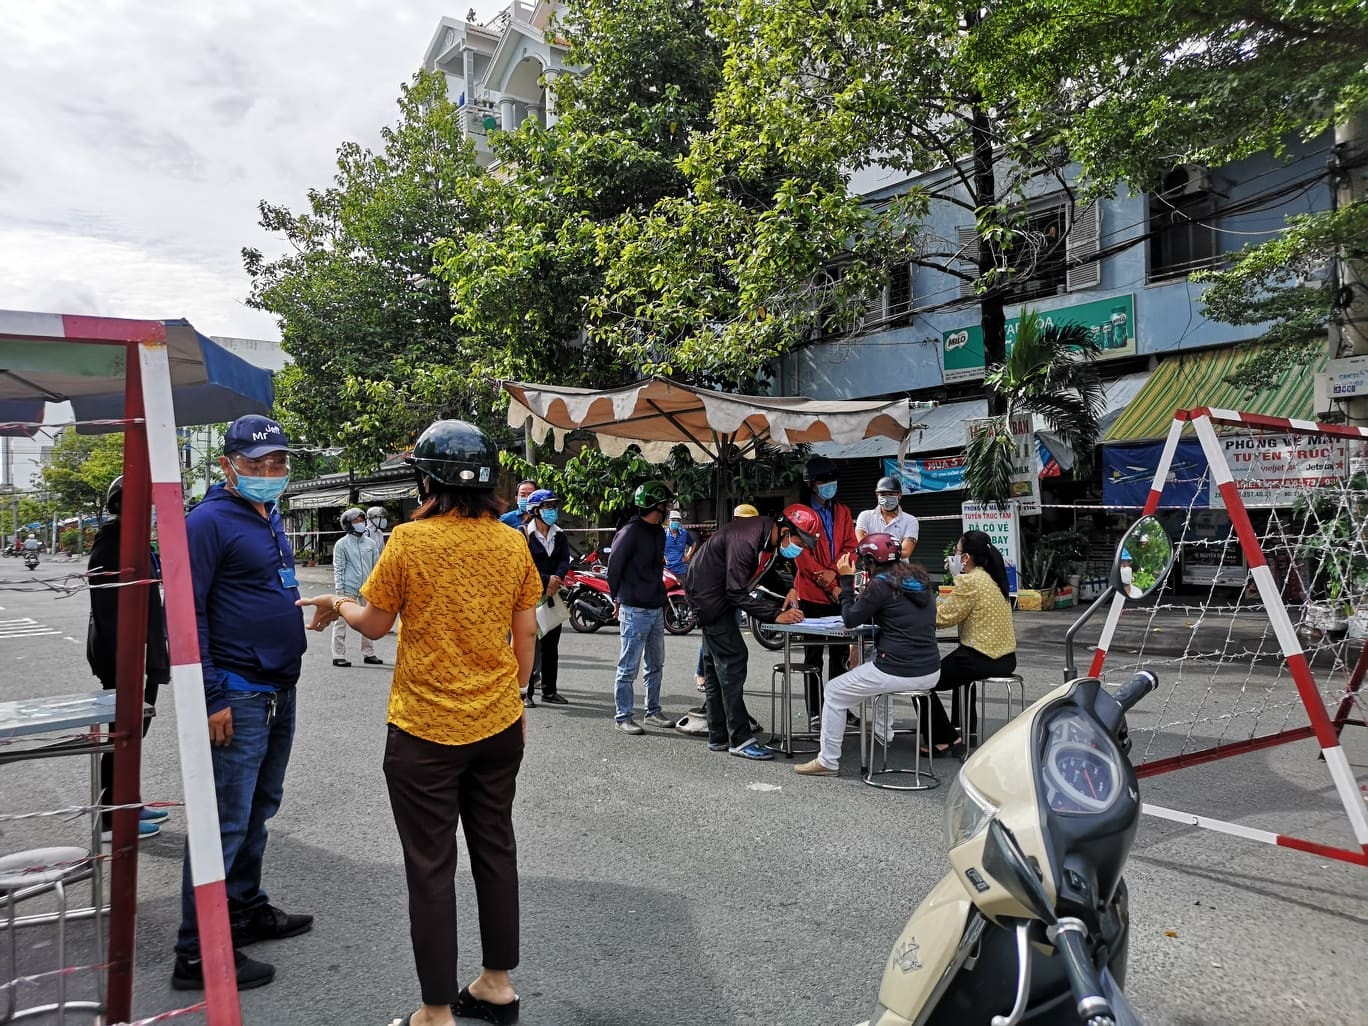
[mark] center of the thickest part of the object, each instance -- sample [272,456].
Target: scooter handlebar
[1069,936]
[1136,688]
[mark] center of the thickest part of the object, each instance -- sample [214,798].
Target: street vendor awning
[1188,380]
[320,500]
[209,384]
[656,414]
[389,492]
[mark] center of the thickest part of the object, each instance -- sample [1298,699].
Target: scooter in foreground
[1031,923]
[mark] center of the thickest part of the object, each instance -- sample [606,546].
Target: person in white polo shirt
[888,517]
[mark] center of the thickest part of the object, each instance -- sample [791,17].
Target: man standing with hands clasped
[252,641]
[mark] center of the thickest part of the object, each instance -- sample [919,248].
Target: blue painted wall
[1168,314]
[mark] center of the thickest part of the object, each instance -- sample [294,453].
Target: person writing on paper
[464,585]
[900,600]
[980,608]
[551,552]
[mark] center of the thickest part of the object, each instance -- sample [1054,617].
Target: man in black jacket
[723,575]
[636,566]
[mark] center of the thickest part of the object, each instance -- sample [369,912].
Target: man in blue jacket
[251,640]
[636,566]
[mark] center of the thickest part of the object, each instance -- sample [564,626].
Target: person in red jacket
[818,584]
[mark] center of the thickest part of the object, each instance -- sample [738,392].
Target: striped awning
[390,492]
[319,500]
[1187,380]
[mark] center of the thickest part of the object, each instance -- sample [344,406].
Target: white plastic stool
[921,779]
[1011,683]
[27,874]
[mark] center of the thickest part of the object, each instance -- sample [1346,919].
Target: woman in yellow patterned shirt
[463,584]
[979,606]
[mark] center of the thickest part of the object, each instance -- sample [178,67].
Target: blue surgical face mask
[260,489]
[675,525]
[550,516]
[826,491]
[359,526]
[522,504]
[790,551]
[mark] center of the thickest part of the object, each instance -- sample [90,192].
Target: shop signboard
[1275,470]
[1111,322]
[1000,524]
[1025,470]
[943,474]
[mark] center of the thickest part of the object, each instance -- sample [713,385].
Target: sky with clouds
[136,140]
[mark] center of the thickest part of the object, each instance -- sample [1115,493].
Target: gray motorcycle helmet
[350,516]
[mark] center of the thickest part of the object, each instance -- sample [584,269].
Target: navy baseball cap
[254,436]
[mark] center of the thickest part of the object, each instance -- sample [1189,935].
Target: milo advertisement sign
[1111,323]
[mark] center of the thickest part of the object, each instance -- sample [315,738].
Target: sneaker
[555,698]
[717,746]
[815,768]
[270,923]
[852,720]
[373,661]
[659,719]
[145,830]
[188,973]
[629,726]
[153,815]
[752,750]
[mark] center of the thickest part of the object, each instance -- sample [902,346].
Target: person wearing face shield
[888,517]
[818,581]
[724,576]
[354,557]
[251,642]
[377,523]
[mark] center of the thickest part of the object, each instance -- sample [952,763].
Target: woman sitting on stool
[979,606]
[900,601]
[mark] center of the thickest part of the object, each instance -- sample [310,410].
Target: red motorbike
[591,606]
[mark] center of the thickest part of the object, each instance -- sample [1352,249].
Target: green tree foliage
[80,471]
[368,327]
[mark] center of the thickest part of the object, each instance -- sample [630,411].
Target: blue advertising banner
[1128,472]
[934,475]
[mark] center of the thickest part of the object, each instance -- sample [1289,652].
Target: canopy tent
[209,384]
[657,414]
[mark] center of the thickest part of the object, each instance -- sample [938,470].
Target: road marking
[25,627]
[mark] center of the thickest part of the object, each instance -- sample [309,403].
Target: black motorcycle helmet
[454,453]
[114,497]
[818,469]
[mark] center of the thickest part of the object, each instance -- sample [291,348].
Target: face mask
[359,527]
[674,526]
[550,516]
[383,523]
[790,551]
[955,564]
[261,489]
[888,502]
[826,492]
[522,504]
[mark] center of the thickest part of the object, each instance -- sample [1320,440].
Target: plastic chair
[922,779]
[27,874]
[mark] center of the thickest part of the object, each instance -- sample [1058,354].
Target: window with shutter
[967,239]
[898,294]
[1085,269]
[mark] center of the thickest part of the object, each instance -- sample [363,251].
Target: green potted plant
[1330,546]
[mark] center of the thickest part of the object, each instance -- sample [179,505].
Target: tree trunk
[992,309]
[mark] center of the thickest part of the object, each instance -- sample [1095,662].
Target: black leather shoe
[555,698]
[373,661]
[270,923]
[468,1006]
[188,973]
[341,662]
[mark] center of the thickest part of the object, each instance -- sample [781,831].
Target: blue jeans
[643,631]
[249,777]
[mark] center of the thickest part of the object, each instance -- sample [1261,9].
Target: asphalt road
[664,884]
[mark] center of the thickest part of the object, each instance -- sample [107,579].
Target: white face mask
[888,502]
[955,564]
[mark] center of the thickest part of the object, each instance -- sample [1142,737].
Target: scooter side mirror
[1143,559]
[1006,863]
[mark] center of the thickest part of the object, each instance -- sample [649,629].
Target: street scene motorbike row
[1030,923]
[590,606]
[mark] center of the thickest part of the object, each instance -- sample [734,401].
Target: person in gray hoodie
[899,599]
[354,557]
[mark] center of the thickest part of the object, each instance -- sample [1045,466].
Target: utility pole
[1349,318]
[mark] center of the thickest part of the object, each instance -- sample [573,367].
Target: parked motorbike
[590,605]
[31,560]
[1031,923]
[680,617]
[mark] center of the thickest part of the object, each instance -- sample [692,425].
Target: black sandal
[468,1006]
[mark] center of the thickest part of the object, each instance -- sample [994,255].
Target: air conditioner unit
[1197,180]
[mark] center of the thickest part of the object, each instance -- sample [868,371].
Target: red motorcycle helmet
[879,548]
[802,521]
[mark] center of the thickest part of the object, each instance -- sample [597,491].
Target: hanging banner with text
[934,475]
[1000,525]
[1111,322]
[1276,470]
[1025,469]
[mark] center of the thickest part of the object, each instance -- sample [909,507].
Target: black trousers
[838,656]
[959,670]
[725,659]
[432,787]
[546,669]
[150,690]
